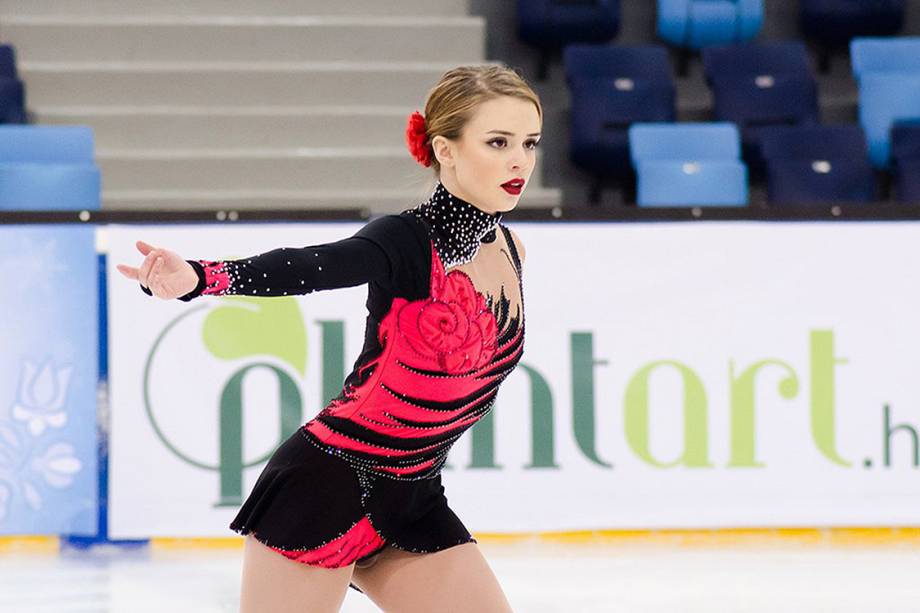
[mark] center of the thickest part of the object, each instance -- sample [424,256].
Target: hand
[163,272]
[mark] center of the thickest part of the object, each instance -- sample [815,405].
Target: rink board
[675,376]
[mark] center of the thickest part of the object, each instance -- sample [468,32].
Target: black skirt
[313,507]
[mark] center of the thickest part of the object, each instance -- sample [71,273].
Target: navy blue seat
[908,181]
[12,91]
[905,155]
[550,25]
[905,140]
[611,88]
[833,23]
[758,85]
[8,62]
[12,101]
[817,164]
[688,164]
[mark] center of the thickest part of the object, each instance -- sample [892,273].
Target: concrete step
[389,167]
[13,8]
[192,129]
[231,84]
[373,200]
[227,127]
[286,39]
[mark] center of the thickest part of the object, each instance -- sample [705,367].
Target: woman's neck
[448,179]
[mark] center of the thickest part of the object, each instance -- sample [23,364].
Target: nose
[517,161]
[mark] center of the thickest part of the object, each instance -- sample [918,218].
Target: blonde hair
[452,102]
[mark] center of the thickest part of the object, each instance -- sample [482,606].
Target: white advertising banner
[675,375]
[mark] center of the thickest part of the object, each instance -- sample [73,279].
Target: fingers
[144,272]
[153,278]
[143,247]
[156,282]
[128,271]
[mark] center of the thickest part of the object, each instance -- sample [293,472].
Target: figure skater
[354,496]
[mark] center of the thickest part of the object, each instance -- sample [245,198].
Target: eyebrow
[509,133]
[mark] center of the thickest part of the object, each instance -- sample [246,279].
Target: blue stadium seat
[905,140]
[12,101]
[550,25]
[688,164]
[695,24]
[33,187]
[905,155]
[817,164]
[888,74]
[888,55]
[814,142]
[611,88]
[785,58]
[883,99]
[555,23]
[908,182]
[706,183]
[12,91]
[835,22]
[46,144]
[8,62]
[684,141]
[758,85]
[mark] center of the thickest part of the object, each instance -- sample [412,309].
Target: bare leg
[272,583]
[454,580]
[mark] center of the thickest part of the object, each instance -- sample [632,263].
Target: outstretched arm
[288,271]
[367,256]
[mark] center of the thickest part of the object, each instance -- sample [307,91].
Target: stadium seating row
[48,168]
[699,164]
[755,87]
[549,25]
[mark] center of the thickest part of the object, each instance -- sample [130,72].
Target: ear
[443,151]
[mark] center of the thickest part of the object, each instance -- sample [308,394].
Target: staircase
[276,104]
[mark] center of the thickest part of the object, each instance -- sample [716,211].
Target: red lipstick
[514,186]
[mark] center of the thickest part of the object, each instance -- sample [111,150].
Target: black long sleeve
[376,253]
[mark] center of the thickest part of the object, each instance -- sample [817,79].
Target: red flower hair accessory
[417,139]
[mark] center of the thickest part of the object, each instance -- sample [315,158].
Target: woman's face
[497,145]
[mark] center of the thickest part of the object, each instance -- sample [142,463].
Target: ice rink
[768,576]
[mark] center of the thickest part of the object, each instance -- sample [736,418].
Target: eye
[531,144]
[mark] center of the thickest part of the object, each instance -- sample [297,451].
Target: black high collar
[458,227]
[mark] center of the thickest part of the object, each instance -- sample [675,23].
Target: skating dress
[365,472]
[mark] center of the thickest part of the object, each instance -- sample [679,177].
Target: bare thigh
[272,583]
[453,580]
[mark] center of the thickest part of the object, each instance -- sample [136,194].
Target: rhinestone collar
[458,227]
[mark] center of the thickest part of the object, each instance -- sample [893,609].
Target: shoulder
[395,232]
[518,244]
[400,236]
[386,224]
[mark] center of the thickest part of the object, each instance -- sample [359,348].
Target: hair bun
[417,139]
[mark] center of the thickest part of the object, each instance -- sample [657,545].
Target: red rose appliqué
[454,327]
